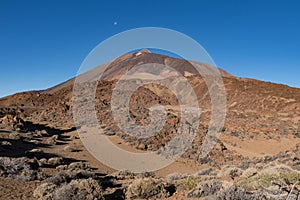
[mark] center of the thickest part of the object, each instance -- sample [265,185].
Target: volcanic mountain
[256,110]
[261,125]
[122,64]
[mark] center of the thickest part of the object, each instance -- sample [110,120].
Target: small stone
[51,141]
[14,136]
[44,133]
[69,149]
[55,161]
[35,141]
[6,143]
[62,167]
[142,146]
[42,162]
[55,137]
[35,151]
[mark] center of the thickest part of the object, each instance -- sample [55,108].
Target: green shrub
[188,183]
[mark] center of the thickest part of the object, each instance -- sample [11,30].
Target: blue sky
[43,43]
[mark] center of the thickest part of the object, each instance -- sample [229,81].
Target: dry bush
[17,168]
[267,176]
[206,188]
[146,188]
[124,174]
[88,189]
[188,183]
[237,193]
[174,177]
[44,191]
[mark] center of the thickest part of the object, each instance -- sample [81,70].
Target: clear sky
[43,43]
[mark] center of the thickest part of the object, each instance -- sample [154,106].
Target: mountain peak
[145,51]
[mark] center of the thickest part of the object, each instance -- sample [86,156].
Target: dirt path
[14,189]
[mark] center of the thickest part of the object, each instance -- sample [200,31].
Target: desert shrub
[269,175]
[146,175]
[88,189]
[188,183]
[77,166]
[124,174]
[203,172]
[244,165]
[44,191]
[231,171]
[61,177]
[74,181]
[146,188]
[249,172]
[67,176]
[205,188]
[68,191]
[17,168]
[235,192]
[174,177]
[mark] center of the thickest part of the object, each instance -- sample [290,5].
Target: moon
[115,23]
